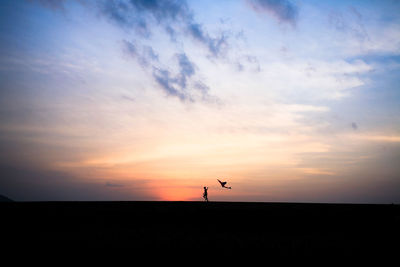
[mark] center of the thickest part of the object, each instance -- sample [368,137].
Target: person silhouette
[205,194]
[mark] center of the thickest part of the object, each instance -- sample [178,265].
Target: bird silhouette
[223,184]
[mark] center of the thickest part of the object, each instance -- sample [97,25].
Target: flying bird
[223,184]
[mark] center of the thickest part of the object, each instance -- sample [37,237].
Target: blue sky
[152,100]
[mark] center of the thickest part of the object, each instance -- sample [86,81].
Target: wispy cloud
[380,138]
[174,17]
[173,84]
[139,15]
[350,22]
[216,45]
[169,84]
[145,55]
[108,184]
[355,35]
[182,83]
[316,171]
[186,68]
[53,4]
[283,10]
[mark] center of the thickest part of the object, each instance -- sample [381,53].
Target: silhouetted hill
[5,199]
[232,229]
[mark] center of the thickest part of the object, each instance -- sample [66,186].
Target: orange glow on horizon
[179,194]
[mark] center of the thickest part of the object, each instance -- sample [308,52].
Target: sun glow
[176,193]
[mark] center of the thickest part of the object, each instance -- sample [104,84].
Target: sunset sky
[288,101]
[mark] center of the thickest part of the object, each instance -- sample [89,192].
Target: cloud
[108,184]
[217,46]
[201,87]
[140,14]
[186,69]
[174,17]
[248,62]
[354,126]
[144,54]
[172,83]
[52,4]
[316,171]
[128,98]
[27,183]
[183,83]
[305,108]
[381,138]
[283,10]
[147,19]
[349,23]
[169,84]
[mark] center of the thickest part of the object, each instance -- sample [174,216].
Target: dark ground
[270,229]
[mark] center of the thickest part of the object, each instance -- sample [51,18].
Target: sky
[286,100]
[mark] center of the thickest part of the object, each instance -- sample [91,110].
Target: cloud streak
[169,84]
[174,17]
[182,84]
[217,46]
[52,4]
[23,183]
[282,10]
[146,20]
[145,55]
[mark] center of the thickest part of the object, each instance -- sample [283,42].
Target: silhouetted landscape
[4,199]
[215,111]
[286,229]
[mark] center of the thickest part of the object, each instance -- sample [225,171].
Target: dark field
[286,229]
